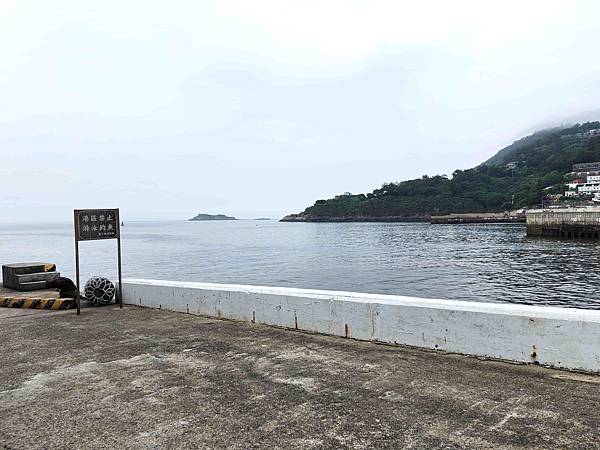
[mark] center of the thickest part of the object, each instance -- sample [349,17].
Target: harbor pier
[568,223]
[136,378]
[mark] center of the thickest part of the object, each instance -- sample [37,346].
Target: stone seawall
[558,337]
[564,223]
[478,218]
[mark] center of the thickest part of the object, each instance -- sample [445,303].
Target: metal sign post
[93,225]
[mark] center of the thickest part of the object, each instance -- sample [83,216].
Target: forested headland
[518,176]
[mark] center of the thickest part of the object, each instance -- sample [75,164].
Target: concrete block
[27,276]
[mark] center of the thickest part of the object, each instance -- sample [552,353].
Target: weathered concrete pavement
[141,378]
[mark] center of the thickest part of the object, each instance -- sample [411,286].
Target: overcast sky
[259,108]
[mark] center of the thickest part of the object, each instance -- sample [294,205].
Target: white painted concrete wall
[560,337]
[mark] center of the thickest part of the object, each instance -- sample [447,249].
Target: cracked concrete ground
[140,378]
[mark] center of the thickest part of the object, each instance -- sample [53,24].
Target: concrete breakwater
[343,219]
[479,218]
[564,223]
[558,337]
[511,217]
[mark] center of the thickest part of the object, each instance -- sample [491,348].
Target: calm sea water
[490,263]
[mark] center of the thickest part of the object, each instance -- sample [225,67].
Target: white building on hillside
[589,188]
[592,133]
[586,167]
[593,179]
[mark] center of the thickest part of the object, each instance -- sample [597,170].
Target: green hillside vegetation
[542,160]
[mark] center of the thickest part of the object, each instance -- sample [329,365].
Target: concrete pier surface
[149,379]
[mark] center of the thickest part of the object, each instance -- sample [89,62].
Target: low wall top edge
[550,312]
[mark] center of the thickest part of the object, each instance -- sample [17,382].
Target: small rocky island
[203,217]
